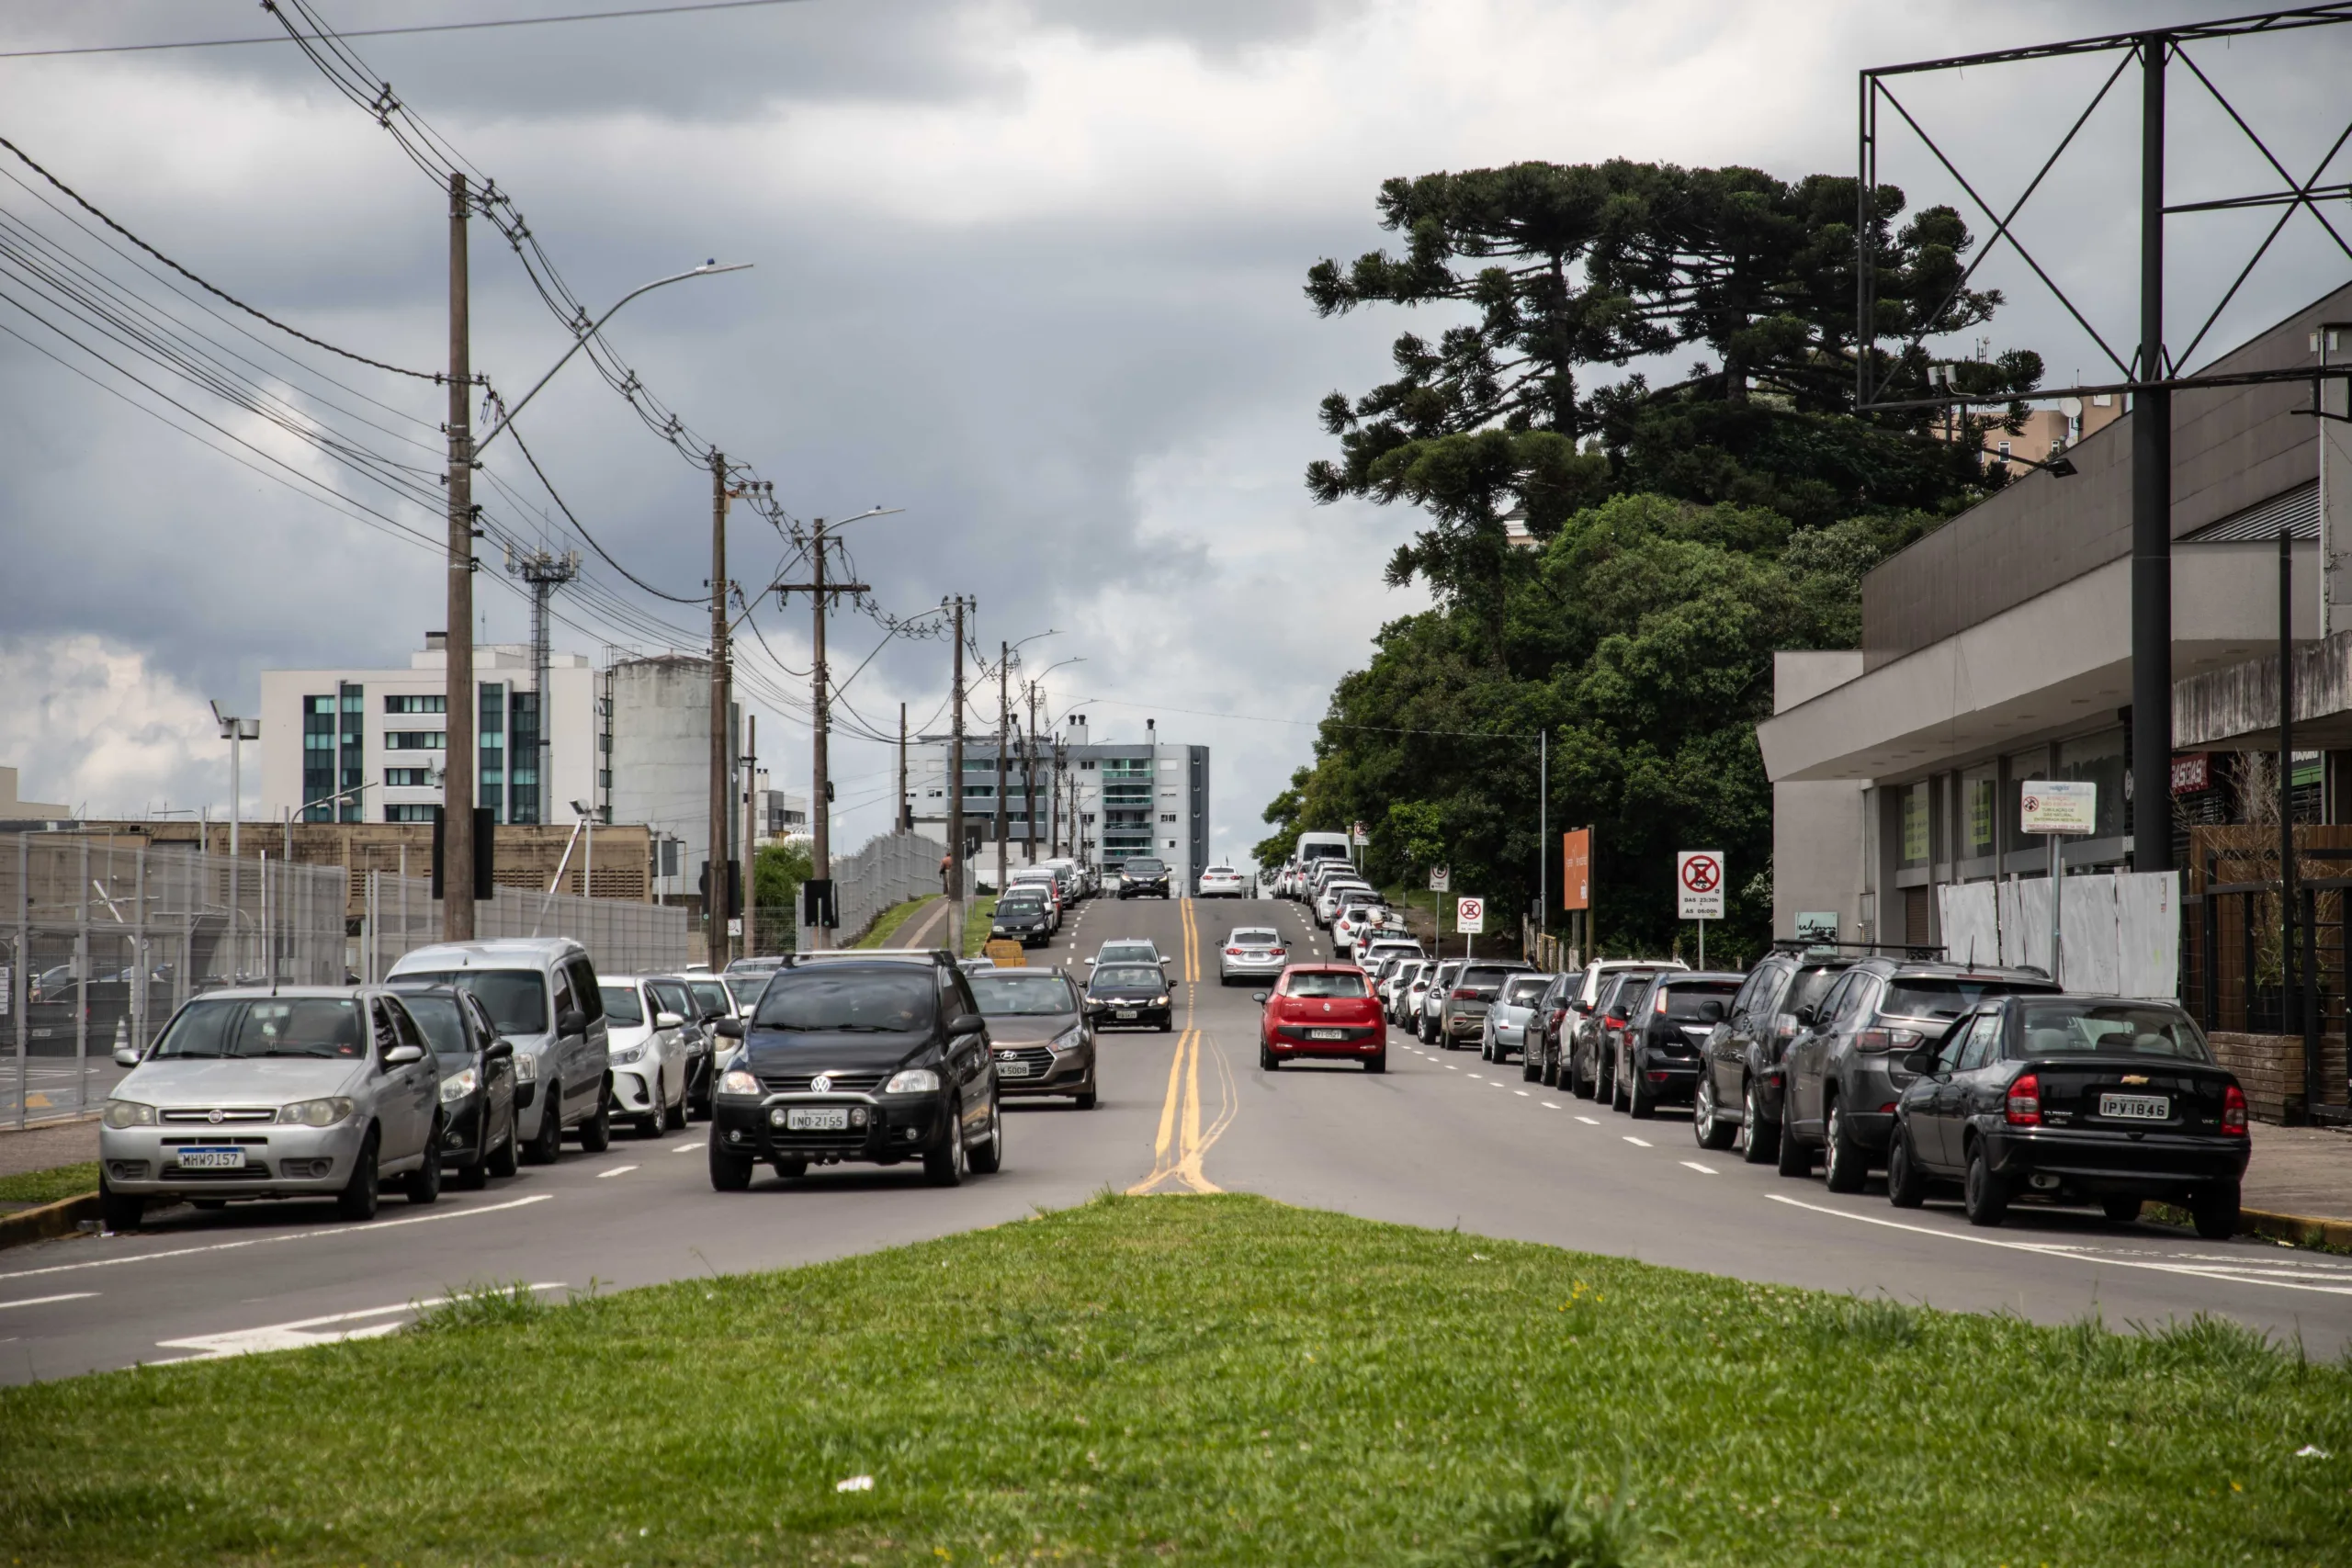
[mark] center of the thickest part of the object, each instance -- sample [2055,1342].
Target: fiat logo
[215,1117]
[824,1084]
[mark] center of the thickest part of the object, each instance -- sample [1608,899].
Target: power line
[582,532]
[686,9]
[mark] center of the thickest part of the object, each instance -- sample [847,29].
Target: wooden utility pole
[1003,737]
[1029,777]
[750,834]
[905,822]
[716,885]
[457,638]
[821,792]
[956,793]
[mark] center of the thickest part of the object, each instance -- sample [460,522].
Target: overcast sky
[1029,270]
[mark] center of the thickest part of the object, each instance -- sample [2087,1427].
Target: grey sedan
[1251,951]
[1507,1019]
[288,1092]
[1038,1030]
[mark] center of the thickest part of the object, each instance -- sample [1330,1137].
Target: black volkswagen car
[1134,996]
[476,1083]
[1023,915]
[2076,1099]
[859,1057]
[1144,877]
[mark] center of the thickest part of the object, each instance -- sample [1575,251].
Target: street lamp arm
[580,340]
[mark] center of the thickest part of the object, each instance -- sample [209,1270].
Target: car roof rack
[835,954]
[1920,950]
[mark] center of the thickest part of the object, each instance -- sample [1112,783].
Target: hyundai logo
[823,1084]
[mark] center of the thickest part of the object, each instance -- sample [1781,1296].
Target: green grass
[1208,1380]
[49,1186]
[981,914]
[887,923]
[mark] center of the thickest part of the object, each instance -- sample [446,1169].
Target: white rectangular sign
[1440,878]
[1470,916]
[1699,884]
[2057,806]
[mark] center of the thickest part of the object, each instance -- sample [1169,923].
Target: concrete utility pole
[820,793]
[2151,773]
[716,886]
[1029,778]
[1003,734]
[955,792]
[905,822]
[457,639]
[545,571]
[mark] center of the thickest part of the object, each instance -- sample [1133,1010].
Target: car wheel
[1641,1102]
[729,1173]
[948,1166]
[1530,1066]
[792,1167]
[474,1175]
[357,1199]
[1707,1124]
[423,1184]
[1906,1185]
[988,1159]
[1267,1061]
[1616,1084]
[1086,1098]
[120,1211]
[1793,1155]
[507,1155]
[679,1115]
[544,1148]
[1758,1140]
[1845,1164]
[1377,1062]
[1551,1074]
[2215,1211]
[1579,1081]
[657,1123]
[2122,1210]
[209,1204]
[596,1133]
[1985,1195]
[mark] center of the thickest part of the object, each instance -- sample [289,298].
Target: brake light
[1660,1008]
[1886,1039]
[2233,1110]
[2024,1108]
[1233,953]
[1465,994]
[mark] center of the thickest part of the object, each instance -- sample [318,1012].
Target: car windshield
[848,1002]
[710,997]
[1936,995]
[747,987]
[621,1005]
[1127,952]
[1685,1003]
[1026,903]
[287,1026]
[2109,1029]
[1128,978]
[1145,868]
[437,1016]
[516,999]
[1328,983]
[1009,993]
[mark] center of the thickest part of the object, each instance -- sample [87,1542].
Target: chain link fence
[622,936]
[891,869]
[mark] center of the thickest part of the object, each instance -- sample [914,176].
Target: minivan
[542,994]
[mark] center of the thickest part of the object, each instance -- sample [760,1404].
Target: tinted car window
[2069,1028]
[1524,992]
[746,988]
[710,995]
[517,998]
[671,996]
[583,982]
[1983,1035]
[1488,974]
[437,1016]
[1145,867]
[1321,983]
[1808,988]
[621,1004]
[1255,938]
[1684,1003]
[1936,995]
[1127,977]
[292,1026]
[1009,993]
[849,1002]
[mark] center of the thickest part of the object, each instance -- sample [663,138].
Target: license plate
[212,1159]
[1327,1034]
[1127,1013]
[1012,1069]
[819,1120]
[2135,1107]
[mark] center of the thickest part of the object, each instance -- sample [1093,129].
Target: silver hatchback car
[314,1091]
[1251,951]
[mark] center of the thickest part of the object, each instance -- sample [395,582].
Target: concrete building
[1997,650]
[655,741]
[17,815]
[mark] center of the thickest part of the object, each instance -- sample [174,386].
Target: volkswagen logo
[824,1084]
[215,1117]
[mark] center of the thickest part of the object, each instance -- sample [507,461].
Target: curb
[2296,1228]
[51,1220]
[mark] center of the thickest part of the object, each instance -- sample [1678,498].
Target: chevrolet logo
[2135,1077]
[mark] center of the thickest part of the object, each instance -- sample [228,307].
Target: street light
[236,733]
[587,816]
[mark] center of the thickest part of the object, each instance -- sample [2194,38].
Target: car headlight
[912,1080]
[738,1082]
[526,1067]
[628,1053]
[315,1113]
[458,1085]
[1159,1001]
[1069,1039]
[128,1114]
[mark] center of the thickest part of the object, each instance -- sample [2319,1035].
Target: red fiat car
[1322,1009]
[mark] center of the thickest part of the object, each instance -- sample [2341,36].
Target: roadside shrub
[1549,1529]
[1855,1323]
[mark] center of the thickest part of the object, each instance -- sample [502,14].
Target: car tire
[474,1175]
[947,1167]
[1377,1062]
[791,1167]
[1758,1140]
[547,1147]
[596,1133]
[1707,1124]
[120,1211]
[1907,1184]
[1791,1154]
[1086,1098]
[507,1155]
[1530,1066]
[989,1159]
[1267,1061]
[1845,1164]
[359,1196]
[656,1125]
[423,1185]
[2215,1211]
[1580,1083]
[680,1114]
[1551,1073]
[1985,1194]
[2122,1210]
[729,1173]
[1616,1084]
[209,1205]
[1640,1104]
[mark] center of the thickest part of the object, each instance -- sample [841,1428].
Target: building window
[410,813]
[318,758]
[492,788]
[414,703]
[1914,809]
[1980,796]
[2099,759]
[522,771]
[416,740]
[1168,817]
[408,778]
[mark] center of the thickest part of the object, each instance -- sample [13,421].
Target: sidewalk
[2300,1170]
[49,1144]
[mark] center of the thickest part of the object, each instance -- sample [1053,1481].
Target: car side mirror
[571,1020]
[668,1021]
[498,1051]
[401,1055]
[966,1023]
[729,1029]
[1807,1017]
[126,1057]
[1711,1011]
[1922,1060]
[1262,997]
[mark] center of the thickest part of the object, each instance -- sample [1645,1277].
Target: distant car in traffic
[1127,949]
[1586,1045]
[1738,1098]
[645,1034]
[1321,1010]
[1661,1048]
[1024,915]
[1135,996]
[1461,1012]
[1430,992]
[1144,877]
[1251,951]
[1038,1029]
[1222,882]
[542,994]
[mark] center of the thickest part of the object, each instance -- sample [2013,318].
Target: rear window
[1255,939]
[621,1004]
[1937,996]
[1684,1003]
[1810,986]
[1328,983]
[2107,1029]
[1527,990]
[1487,975]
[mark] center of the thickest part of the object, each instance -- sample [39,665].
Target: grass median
[1215,1379]
[887,924]
[53,1185]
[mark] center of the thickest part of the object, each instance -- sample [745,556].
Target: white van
[542,994]
[1313,847]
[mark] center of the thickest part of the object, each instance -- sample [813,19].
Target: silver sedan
[1506,1020]
[1251,952]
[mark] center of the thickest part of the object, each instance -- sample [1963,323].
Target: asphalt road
[1442,1139]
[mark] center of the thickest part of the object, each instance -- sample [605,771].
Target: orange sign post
[1576,869]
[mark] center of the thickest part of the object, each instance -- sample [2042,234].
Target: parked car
[746,988]
[713,999]
[1508,1016]
[1430,994]
[1586,1051]
[1845,1072]
[1139,994]
[1379,949]
[1251,950]
[1336,893]
[478,1136]
[1461,1012]
[1047,884]
[1144,877]
[1024,915]
[1593,1063]
[1539,1059]
[1039,1031]
[2076,1099]
[314,1091]
[1222,882]
[1738,1097]
[645,1034]
[1395,992]
[1660,1047]
[541,993]
[1321,1010]
[854,1056]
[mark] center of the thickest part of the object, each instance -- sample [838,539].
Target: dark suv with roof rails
[1658,1050]
[1738,1095]
[859,1056]
[1844,1072]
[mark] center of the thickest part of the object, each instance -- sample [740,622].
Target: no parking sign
[1470,916]
[1699,884]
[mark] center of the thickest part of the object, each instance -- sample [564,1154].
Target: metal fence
[891,869]
[102,939]
[622,936]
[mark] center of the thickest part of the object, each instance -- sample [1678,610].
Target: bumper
[1361,1041]
[1145,890]
[881,1132]
[1460,1024]
[632,1092]
[2153,1165]
[1672,1081]
[281,1161]
[1251,968]
[1073,1072]
[1145,1017]
[463,1129]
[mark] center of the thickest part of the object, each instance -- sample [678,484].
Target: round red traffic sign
[1469,908]
[1702,874]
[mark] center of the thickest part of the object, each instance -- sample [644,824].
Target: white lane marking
[1478,1074]
[687,1148]
[1451,1068]
[369,1225]
[616,1171]
[296,1335]
[1702,1169]
[1551,1105]
[44,1301]
[2242,1275]
[1522,1094]
[1588,1121]
[1639,1142]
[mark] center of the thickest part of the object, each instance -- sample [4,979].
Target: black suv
[1844,1069]
[1144,878]
[1658,1048]
[859,1057]
[1740,1087]
[1024,915]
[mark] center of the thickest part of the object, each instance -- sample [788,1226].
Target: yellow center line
[1181,1142]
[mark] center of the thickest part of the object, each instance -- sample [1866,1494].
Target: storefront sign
[2192,772]
[2058,806]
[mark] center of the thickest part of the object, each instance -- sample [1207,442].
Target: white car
[1251,951]
[1222,882]
[1356,920]
[1335,893]
[1372,951]
[650,1063]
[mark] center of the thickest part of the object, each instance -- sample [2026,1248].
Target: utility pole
[904,823]
[1029,777]
[956,793]
[457,639]
[2152,497]
[545,571]
[1003,735]
[750,834]
[716,885]
[820,790]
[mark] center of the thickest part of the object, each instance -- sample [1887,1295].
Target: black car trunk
[2128,1094]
